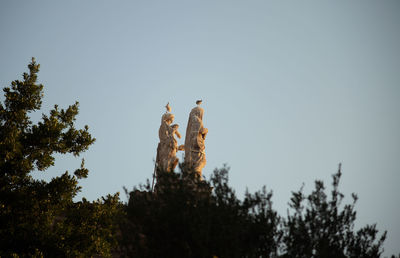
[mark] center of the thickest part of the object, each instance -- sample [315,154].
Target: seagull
[168,107]
[198,102]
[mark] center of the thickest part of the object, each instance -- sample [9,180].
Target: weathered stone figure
[195,156]
[166,151]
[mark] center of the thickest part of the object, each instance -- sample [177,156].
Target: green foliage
[87,228]
[39,218]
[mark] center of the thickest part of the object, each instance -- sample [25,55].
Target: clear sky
[289,88]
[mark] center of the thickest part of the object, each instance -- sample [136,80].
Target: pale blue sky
[290,89]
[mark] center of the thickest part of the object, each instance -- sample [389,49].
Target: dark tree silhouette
[189,217]
[39,218]
[319,228]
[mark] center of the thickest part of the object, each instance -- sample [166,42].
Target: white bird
[168,107]
[198,102]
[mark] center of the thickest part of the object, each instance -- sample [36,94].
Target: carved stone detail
[168,146]
[195,156]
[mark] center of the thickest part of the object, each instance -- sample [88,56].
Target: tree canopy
[190,217]
[39,218]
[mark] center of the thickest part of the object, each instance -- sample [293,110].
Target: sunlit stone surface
[195,156]
[168,146]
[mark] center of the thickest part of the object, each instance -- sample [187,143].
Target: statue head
[167,118]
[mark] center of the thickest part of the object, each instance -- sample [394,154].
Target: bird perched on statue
[198,102]
[168,107]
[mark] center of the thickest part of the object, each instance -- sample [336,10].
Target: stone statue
[166,150]
[195,156]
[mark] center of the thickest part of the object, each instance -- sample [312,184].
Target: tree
[190,217]
[320,228]
[40,218]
